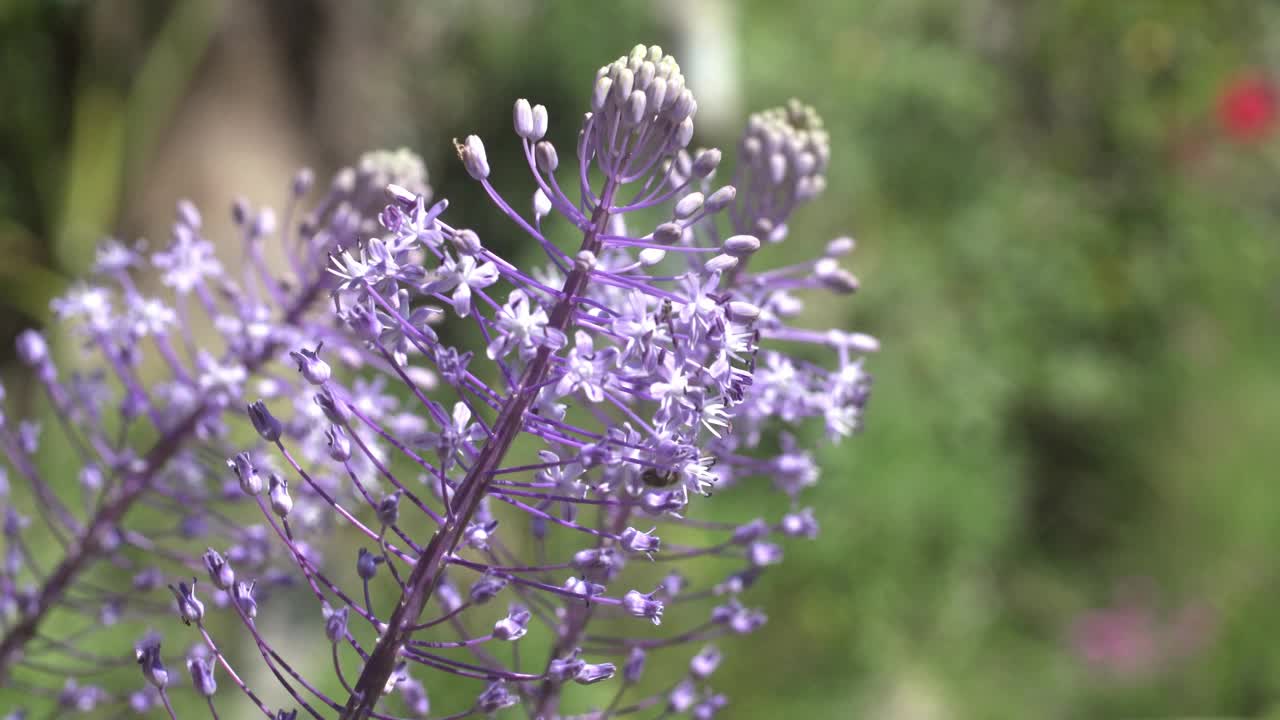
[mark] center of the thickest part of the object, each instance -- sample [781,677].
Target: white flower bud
[600,93]
[622,85]
[523,119]
[471,152]
[645,74]
[656,93]
[635,107]
[684,133]
[720,263]
[652,256]
[539,122]
[683,107]
[541,204]
[688,206]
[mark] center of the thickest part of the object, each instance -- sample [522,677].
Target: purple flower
[625,380]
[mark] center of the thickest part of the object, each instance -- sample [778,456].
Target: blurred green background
[1063,505]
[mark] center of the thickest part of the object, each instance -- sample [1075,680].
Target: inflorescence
[543,491]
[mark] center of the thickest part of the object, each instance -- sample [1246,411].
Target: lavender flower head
[553,481]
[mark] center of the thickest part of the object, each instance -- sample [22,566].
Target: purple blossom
[626,380]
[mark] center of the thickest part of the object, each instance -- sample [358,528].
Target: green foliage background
[1074,276]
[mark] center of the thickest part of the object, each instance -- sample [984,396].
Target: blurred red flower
[1247,107]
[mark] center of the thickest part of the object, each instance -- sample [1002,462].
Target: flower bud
[466,241]
[539,123]
[367,564]
[668,233]
[201,671]
[312,368]
[688,206]
[339,443]
[220,572]
[600,94]
[148,658]
[190,609]
[278,493]
[742,311]
[333,408]
[524,119]
[541,204]
[740,246]
[250,481]
[836,279]
[721,199]
[389,508]
[635,107]
[242,595]
[264,422]
[684,133]
[651,256]
[720,263]
[545,155]
[471,152]
[706,163]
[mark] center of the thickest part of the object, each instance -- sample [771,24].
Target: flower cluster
[547,489]
[145,412]
[625,379]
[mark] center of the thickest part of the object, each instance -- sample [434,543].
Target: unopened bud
[523,119]
[471,152]
[741,245]
[545,155]
[688,206]
[706,163]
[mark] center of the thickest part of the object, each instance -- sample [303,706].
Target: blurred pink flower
[1247,107]
[1130,640]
